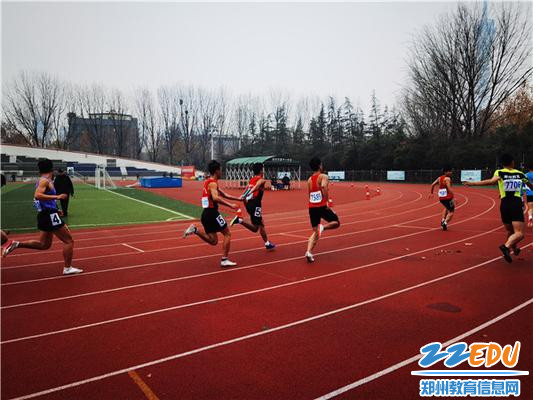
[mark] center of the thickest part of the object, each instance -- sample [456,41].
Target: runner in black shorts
[49,220]
[318,185]
[211,219]
[510,184]
[252,198]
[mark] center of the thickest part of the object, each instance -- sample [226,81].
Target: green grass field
[92,207]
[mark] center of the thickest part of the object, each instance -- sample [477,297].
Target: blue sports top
[529,175]
[41,205]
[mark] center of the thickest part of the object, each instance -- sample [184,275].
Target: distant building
[226,145]
[105,133]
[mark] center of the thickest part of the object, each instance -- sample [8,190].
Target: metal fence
[411,176]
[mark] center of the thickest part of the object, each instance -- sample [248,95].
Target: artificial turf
[92,207]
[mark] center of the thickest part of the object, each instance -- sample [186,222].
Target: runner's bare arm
[324,184]
[217,195]
[486,182]
[258,185]
[228,196]
[41,189]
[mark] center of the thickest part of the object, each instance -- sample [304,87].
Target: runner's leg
[64,235]
[516,236]
[227,242]
[44,242]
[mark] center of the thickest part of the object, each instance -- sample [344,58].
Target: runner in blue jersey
[49,220]
[529,194]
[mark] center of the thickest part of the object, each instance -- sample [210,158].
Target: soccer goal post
[102,179]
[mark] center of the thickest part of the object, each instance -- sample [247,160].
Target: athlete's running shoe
[71,271]
[12,246]
[227,263]
[506,253]
[190,230]
[444,225]
[309,257]
[320,230]
[270,246]
[516,251]
[235,220]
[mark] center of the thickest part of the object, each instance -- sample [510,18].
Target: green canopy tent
[239,170]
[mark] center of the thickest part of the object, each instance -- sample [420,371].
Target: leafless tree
[464,68]
[168,111]
[150,129]
[121,134]
[30,103]
[93,103]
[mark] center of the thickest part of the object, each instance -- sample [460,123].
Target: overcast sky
[301,48]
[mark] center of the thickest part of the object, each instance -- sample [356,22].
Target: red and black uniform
[445,197]
[253,202]
[211,218]
[318,204]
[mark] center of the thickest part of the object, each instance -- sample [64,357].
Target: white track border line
[247,236]
[55,277]
[143,232]
[150,204]
[291,216]
[166,309]
[408,361]
[279,328]
[242,251]
[131,247]
[292,283]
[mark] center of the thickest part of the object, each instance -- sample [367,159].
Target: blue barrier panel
[160,182]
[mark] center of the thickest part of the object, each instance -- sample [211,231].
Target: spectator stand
[239,171]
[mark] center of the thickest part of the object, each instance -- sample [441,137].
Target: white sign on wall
[470,175]
[396,175]
[336,175]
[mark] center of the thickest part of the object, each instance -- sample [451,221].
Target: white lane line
[290,235]
[408,361]
[247,237]
[150,204]
[242,251]
[131,247]
[173,231]
[229,296]
[279,328]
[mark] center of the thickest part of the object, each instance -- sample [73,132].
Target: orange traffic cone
[239,213]
[378,191]
[367,196]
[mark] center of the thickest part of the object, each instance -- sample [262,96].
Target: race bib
[205,202]
[55,219]
[315,197]
[443,192]
[512,185]
[257,212]
[221,221]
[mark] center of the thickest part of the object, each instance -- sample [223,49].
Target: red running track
[384,284]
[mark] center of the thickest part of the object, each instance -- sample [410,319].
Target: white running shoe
[309,257]
[190,230]
[12,246]
[320,230]
[227,263]
[71,271]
